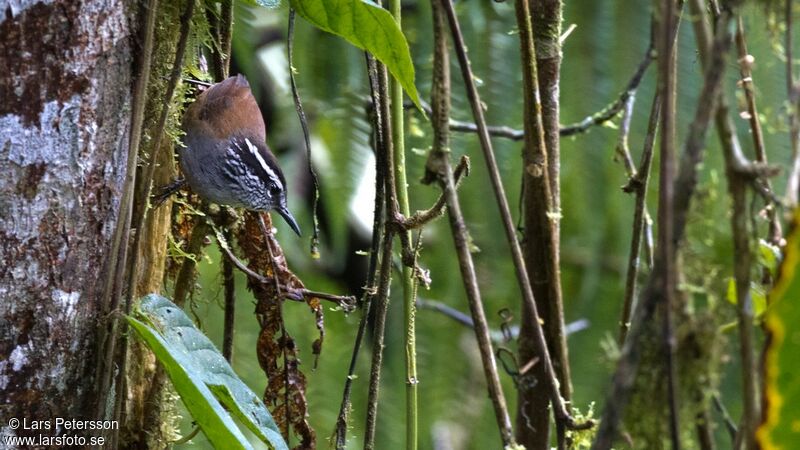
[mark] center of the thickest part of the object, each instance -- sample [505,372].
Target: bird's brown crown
[225,109]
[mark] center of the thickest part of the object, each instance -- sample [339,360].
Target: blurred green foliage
[780,429]
[599,57]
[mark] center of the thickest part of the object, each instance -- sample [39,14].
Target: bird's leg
[165,192]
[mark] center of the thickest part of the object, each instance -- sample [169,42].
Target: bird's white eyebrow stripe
[254,150]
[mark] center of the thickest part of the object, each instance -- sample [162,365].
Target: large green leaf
[781,427]
[202,377]
[368,27]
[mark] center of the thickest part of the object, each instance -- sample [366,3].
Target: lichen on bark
[63,136]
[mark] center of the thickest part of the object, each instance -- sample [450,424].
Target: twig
[381,305]
[346,302]
[184,283]
[379,85]
[439,166]
[220,29]
[448,311]
[421,218]
[229,289]
[668,275]
[498,336]
[745,63]
[604,115]
[560,409]
[638,184]
[400,194]
[137,222]
[225,36]
[285,350]
[188,437]
[112,289]
[742,256]
[730,425]
[704,428]
[622,149]
[685,184]
[496,131]
[695,141]
[610,111]
[150,160]
[301,115]
[375,249]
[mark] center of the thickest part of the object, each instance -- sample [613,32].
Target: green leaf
[769,256]
[202,377]
[757,295]
[368,27]
[781,426]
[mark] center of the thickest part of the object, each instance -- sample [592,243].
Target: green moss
[646,422]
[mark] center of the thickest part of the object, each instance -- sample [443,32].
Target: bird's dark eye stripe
[242,155]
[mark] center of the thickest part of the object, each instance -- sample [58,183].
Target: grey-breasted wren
[225,157]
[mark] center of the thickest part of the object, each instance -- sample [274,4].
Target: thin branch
[604,115]
[150,161]
[638,184]
[306,137]
[745,65]
[380,90]
[112,288]
[225,33]
[400,195]
[498,336]
[496,131]
[184,283]
[225,36]
[446,310]
[346,302]
[622,149]
[378,223]
[685,184]
[129,271]
[705,429]
[610,111]
[730,425]
[229,289]
[220,25]
[439,166]
[742,256]
[668,273]
[560,409]
[187,438]
[381,306]
[422,218]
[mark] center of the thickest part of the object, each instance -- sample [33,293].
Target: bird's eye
[274,191]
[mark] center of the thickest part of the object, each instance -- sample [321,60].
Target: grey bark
[64,118]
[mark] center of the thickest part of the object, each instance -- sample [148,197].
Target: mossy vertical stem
[409,306]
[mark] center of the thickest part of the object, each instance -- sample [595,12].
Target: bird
[225,158]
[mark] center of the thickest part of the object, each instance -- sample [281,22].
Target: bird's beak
[284,212]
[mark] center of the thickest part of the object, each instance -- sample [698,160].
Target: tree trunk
[150,411]
[541,238]
[65,94]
